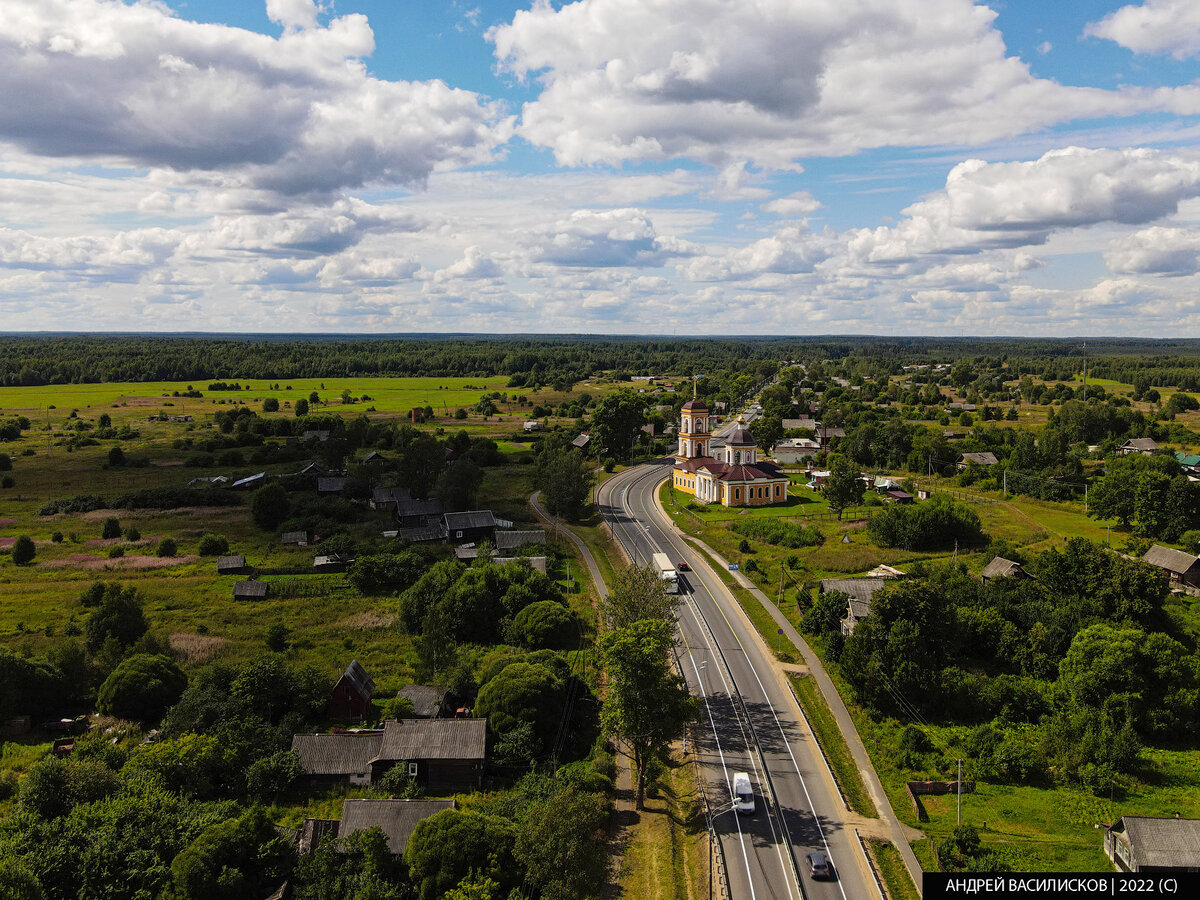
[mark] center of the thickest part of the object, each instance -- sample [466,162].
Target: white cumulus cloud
[773,81]
[1155,26]
[132,84]
[1159,250]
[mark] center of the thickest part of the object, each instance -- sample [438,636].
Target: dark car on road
[818,865]
[683,566]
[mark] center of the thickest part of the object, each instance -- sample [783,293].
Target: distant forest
[72,359]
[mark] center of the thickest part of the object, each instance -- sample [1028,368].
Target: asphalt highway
[749,722]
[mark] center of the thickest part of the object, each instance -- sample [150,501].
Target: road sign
[733,567]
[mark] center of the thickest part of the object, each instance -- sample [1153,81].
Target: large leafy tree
[562,844]
[565,479]
[637,593]
[119,616]
[615,423]
[446,847]
[843,487]
[524,693]
[648,704]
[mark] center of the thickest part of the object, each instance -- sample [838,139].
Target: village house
[984,459]
[296,538]
[859,593]
[1138,445]
[351,697]
[441,754]
[474,526]
[1153,844]
[1183,568]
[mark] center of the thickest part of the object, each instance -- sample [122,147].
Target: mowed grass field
[387,394]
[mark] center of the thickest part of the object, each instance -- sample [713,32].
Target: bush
[132,534]
[610,464]
[23,550]
[116,457]
[213,545]
[7,481]
[270,506]
[167,547]
[546,625]
[141,688]
[270,405]
[744,546]
[935,524]
[112,528]
[116,552]
[779,533]
[57,537]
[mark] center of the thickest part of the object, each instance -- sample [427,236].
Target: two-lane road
[749,722]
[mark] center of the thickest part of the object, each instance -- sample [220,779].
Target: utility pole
[960,792]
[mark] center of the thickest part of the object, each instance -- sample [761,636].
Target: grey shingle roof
[1156,841]
[406,507]
[358,676]
[980,459]
[332,485]
[426,699]
[434,739]
[862,589]
[230,562]
[337,754]
[294,537]
[397,819]
[507,540]
[1146,445]
[1000,567]
[252,589]
[479,518]
[1172,560]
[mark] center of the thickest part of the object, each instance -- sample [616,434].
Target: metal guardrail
[880,886]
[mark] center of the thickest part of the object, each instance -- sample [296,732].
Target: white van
[743,794]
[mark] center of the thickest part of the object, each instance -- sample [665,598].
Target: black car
[818,865]
[683,566]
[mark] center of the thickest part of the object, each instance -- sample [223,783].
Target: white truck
[666,571]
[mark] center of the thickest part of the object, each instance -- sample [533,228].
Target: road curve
[749,722]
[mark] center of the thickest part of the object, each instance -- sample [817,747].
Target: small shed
[338,758]
[397,819]
[510,540]
[319,435]
[582,441]
[897,496]
[476,525]
[250,482]
[331,485]
[1153,844]
[374,460]
[297,538]
[232,565]
[532,425]
[331,562]
[250,590]
[388,497]
[1000,567]
[352,694]
[1183,568]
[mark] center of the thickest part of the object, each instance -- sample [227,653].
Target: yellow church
[738,478]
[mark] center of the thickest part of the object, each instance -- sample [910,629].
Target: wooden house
[351,696]
[1000,567]
[1153,844]
[474,526]
[1183,568]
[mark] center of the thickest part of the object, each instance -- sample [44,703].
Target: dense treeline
[72,359]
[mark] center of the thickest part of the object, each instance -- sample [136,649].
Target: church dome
[740,436]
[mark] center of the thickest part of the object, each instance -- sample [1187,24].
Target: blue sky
[604,166]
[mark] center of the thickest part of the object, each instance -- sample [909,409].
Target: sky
[691,167]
